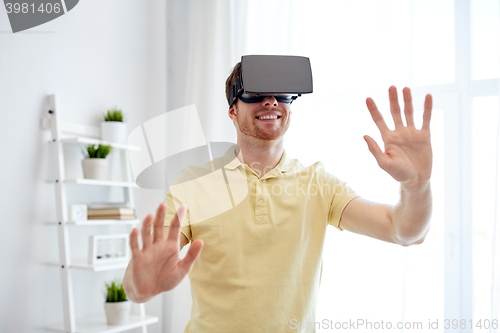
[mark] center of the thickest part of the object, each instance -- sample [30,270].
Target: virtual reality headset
[284,77]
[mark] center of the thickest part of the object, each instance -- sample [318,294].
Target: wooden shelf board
[117,145]
[97,324]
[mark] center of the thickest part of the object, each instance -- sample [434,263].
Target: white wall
[100,54]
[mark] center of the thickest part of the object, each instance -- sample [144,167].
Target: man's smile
[268,118]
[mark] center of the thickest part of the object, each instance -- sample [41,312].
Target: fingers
[395,110]
[158,223]
[146,232]
[194,252]
[134,245]
[376,116]
[374,149]
[408,107]
[427,112]
[175,225]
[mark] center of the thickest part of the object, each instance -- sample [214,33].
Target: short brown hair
[232,78]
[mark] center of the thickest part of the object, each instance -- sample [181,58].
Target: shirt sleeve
[172,205]
[339,196]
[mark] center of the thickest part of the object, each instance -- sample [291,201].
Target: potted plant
[95,163]
[113,129]
[117,306]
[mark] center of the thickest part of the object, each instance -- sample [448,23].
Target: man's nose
[269,101]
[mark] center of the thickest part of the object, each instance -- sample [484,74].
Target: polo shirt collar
[231,162]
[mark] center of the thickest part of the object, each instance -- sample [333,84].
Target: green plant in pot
[95,164]
[113,127]
[117,306]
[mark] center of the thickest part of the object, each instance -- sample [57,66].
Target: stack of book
[110,211]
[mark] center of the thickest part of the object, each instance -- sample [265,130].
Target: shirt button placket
[260,207]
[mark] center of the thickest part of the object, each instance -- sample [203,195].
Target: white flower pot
[95,168]
[114,131]
[117,313]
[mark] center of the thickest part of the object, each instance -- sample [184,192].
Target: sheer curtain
[204,42]
[495,287]
[485,28]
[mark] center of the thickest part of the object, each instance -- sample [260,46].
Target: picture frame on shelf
[108,249]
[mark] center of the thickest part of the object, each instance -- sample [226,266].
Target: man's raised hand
[407,155]
[157,267]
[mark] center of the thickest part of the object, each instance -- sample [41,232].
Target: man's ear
[232,111]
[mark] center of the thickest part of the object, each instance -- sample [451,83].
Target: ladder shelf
[97,323]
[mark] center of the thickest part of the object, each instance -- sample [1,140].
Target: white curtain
[203,42]
[495,278]
[495,285]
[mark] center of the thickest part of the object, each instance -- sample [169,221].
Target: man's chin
[270,136]
[266,135]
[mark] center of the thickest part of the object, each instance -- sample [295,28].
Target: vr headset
[284,77]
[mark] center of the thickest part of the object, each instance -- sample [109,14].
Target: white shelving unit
[87,135]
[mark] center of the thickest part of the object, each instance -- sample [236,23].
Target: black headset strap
[237,90]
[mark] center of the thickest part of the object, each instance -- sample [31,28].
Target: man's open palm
[408,154]
[157,266]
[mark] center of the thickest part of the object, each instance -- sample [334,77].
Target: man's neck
[261,156]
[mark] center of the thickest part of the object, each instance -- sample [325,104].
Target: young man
[260,267]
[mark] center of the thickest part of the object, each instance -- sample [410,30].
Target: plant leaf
[115,292]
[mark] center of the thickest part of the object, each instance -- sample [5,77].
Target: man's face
[250,118]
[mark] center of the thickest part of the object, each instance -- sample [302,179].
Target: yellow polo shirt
[260,267]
